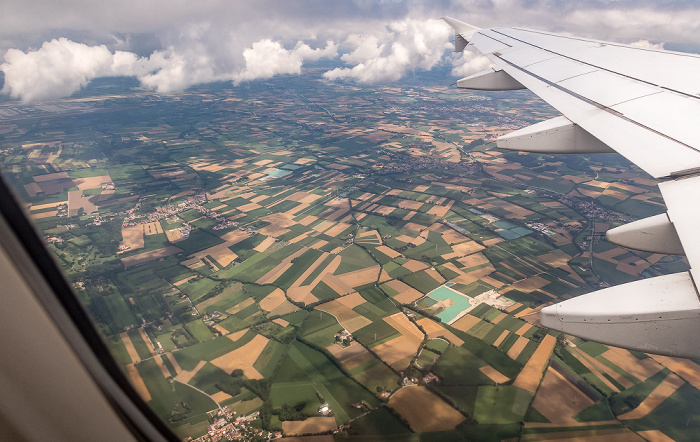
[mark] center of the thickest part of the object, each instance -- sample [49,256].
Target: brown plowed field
[559,400]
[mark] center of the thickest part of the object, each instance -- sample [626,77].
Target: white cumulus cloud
[61,67]
[267,58]
[404,45]
[647,44]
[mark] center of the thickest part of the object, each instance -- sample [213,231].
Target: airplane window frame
[54,293]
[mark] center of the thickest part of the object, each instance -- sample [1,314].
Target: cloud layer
[52,49]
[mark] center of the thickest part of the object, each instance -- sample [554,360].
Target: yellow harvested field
[92,182]
[150,256]
[559,400]
[604,369]
[360,277]
[237,335]
[397,350]
[223,255]
[240,306]
[318,424]
[348,318]
[476,275]
[642,369]
[685,368]
[163,368]
[174,363]
[183,281]
[310,269]
[243,357]
[281,322]
[530,376]
[235,236]
[280,268]
[501,338]
[147,340]
[137,382]
[350,356]
[404,326]
[586,362]
[220,396]
[466,322]
[132,236]
[494,374]
[435,330]
[391,253]
[267,242]
[415,266]
[352,300]
[474,260]
[662,391]
[407,294]
[174,235]
[273,300]
[129,347]
[424,410]
[521,331]
[337,229]
[518,347]
[336,284]
[220,329]
[185,376]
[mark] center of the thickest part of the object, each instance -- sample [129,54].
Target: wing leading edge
[642,103]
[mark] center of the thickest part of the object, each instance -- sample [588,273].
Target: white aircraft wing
[644,104]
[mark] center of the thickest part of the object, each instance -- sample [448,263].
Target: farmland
[361,248]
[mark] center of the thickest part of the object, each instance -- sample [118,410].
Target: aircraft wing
[644,104]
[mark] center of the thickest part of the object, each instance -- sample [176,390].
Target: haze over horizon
[51,51]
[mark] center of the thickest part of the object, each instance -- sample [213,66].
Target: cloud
[52,49]
[647,44]
[61,67]
[267,58]
[405,45]
[468,62]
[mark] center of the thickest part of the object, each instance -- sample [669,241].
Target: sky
[51,49]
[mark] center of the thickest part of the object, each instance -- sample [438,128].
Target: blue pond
[461,302]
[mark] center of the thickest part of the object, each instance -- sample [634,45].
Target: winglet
[463,32]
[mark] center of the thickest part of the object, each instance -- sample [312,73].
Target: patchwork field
[243,358]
